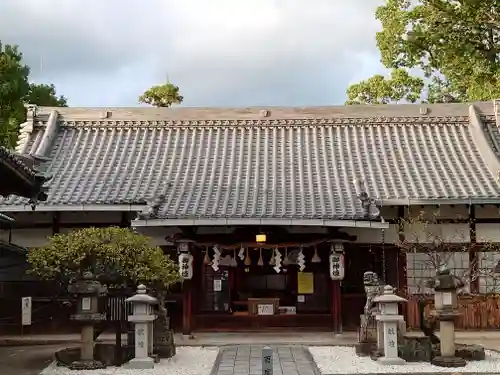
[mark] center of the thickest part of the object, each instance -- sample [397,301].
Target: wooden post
[401,262]
[186,294]
[473,258]
[186,307]
[337,306]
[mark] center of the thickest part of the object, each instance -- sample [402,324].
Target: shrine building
[274,213]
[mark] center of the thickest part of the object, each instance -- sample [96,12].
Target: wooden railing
[479,312]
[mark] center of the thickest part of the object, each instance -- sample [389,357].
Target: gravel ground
[343,360]
[187,361]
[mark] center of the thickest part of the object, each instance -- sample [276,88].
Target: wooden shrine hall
[273,213]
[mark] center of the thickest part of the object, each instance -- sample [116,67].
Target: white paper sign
[26,311]
[301,298]
[267,309]
[447,300]
[86,303]
[217,285]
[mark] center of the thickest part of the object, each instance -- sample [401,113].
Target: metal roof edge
[438,201]
[74,208]
[250,221]
[139,207]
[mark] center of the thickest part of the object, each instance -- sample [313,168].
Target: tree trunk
[163,336]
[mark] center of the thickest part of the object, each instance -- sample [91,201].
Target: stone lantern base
[87,365]
[391,361]
[442,361]
[140,364]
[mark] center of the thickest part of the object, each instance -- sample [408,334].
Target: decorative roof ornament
[371,207]
[152,209]
[28,181]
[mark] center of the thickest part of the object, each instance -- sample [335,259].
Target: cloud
[220,52]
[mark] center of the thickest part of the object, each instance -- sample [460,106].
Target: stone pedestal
[87,289]
[390,343]
[446,309]
[388,321]
[87,346]
[142,318]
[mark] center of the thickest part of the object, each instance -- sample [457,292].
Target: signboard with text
[26,309]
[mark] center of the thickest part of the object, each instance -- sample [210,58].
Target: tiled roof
[271,163]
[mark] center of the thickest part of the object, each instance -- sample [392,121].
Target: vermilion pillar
[187,292]
[336,306]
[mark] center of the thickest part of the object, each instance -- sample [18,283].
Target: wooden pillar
[473,256]
[187,246]
[336,291]
[336,306]
[401,261]
[124,220]
[56,223]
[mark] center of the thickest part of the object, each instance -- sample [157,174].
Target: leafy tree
[112,254]
[116,256]
[162,95]
[45,95]
[381,90]
[456,43]
[14,87]
[15,91]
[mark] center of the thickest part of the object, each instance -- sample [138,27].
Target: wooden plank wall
[478,312]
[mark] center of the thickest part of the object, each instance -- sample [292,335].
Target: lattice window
[421,267]
[215,300]
[486,262]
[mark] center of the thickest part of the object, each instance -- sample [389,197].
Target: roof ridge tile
[301,122]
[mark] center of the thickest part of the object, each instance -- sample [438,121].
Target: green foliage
[115,255]
[162,95]
[13,87]
[45,95]
[15,91]
[380,90]
[456,43]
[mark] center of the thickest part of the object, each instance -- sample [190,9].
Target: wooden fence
[479,312]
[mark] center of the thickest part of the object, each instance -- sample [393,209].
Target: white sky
[220,52]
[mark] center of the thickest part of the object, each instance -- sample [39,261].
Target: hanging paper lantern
[337,262]
[315,258]
[337,267]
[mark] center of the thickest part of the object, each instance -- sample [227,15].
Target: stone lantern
[446,309]
[389,318]
[88,290]
[142,317]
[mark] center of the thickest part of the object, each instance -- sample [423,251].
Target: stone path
[26,360]
[247,360]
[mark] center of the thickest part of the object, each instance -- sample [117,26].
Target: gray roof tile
[261,165]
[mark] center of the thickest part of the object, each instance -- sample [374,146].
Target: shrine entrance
[257,292]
